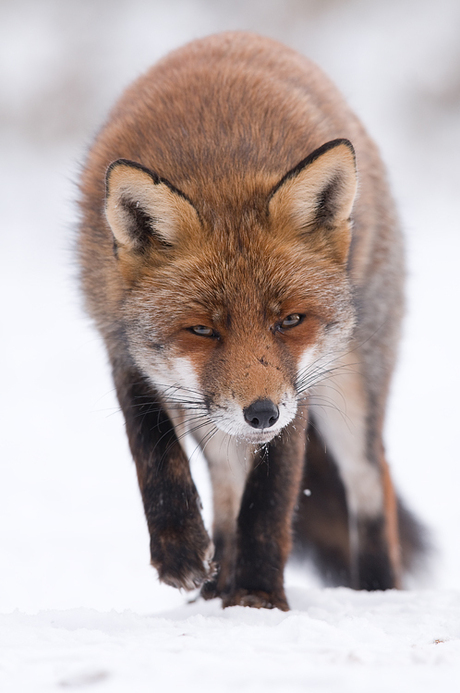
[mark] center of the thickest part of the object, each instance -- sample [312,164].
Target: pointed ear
[144,210]
[318,193]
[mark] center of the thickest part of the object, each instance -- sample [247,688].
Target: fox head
[234,316]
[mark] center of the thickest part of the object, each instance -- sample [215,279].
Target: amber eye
[291,321]
[203,331]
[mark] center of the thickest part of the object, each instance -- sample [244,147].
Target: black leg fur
[179,545]
[264,524]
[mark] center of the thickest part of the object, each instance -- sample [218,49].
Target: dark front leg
[180,547]
[264,525]
[224,557]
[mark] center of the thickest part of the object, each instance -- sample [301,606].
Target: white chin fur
[228,417]
[230,420]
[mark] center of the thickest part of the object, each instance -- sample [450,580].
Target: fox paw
[183,566]
[209,589]
[257,599]
[219,586]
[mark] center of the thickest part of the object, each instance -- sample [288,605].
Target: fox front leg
[180,547]
[264,526]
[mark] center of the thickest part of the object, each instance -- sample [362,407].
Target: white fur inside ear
[322,192]
[140,208]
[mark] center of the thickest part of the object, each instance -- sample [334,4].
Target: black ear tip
[346,142]
[127,163]
[311,158]
[327,147]
[333,144]
[115,164]
[350,146]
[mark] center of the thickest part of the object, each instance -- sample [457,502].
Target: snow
[332,640]
[80,606]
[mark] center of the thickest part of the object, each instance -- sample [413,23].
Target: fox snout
[259,421]
[263,413]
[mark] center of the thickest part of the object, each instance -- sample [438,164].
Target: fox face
[233,320]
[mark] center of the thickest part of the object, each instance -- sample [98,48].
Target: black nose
[262,413]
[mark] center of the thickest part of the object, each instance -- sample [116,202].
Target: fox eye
[203,331]
[291,321]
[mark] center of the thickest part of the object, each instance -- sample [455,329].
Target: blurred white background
[72,532]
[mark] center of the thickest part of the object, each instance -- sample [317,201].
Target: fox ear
[142,209]
[319,193]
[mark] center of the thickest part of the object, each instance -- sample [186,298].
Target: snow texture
[332,640]
[80,607]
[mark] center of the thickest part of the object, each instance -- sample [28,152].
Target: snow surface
[79,605]
[332,640]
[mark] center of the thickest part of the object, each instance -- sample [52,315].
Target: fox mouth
[255,424]
[260,438]
[244,432]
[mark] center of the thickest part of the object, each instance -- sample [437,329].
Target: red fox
[242,260]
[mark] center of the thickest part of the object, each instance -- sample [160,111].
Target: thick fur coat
[242,260]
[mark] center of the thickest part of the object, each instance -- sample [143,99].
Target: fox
[241,257]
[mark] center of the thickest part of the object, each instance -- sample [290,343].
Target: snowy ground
[332,640]
[79,605]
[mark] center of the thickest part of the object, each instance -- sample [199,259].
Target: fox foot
[257,599]
[182,565]
[210,590]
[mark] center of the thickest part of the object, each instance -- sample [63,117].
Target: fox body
[241,258]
